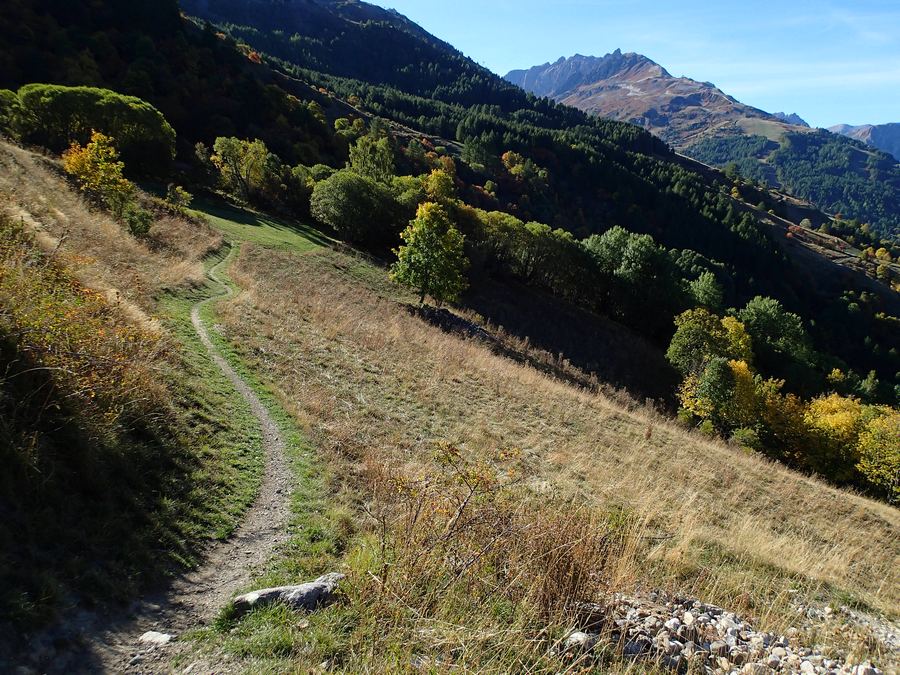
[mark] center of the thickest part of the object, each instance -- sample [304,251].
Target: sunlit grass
[243,224]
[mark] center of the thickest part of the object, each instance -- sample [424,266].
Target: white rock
[580,641]
[152,637]
[673,624]
[308,596]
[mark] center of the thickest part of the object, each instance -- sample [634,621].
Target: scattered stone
[309,596]
[738,657]
[866,669]
[719,648]
[152,637]
[685,635]
[579,641]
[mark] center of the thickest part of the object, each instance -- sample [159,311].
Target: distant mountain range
[850,172]
[885,137]
[632,88]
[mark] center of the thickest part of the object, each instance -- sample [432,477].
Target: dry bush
[95,365]
[468,527]
[131,271]
[464,565]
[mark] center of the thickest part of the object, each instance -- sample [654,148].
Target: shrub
[99,173]
[462,538]
[357,208]
[179,198]
[55,116]
[746,438]
[707,428]
[8,107]
[138,220]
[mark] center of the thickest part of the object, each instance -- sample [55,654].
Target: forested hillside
[578,173]
[700,120]
[838,174]
[523,178]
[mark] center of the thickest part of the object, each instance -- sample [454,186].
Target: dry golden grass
[129,271]
[378,387]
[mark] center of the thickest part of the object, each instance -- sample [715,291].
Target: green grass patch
[246,225]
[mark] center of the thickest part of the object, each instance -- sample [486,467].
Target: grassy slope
[243,225]
[377,387]
[376,390]
[208,474]
[321,527]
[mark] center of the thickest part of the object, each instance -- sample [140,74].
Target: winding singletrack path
[192,600]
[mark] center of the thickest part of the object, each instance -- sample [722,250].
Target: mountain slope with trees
[388,211]
[885,137]
[548,163]
[838,175]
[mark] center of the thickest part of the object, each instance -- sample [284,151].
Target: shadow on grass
[254,226]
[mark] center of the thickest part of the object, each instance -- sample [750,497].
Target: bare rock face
[304,597]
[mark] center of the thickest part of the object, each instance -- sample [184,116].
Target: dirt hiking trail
[112,643]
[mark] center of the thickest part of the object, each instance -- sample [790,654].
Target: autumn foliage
[838,437]
[99,173]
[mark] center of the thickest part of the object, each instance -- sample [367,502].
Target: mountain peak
[631,87]
[792,118]
[566,74]
[885,137]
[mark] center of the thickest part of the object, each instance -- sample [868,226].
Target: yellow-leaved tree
[879,453]
[99,172]
[835,422]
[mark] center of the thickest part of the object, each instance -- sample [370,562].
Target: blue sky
[829,61]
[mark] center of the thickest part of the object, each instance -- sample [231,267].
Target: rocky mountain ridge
[630,87]
[791,118]
[885,137]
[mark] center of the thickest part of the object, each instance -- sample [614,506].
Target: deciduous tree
[432,259]
[99,172]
